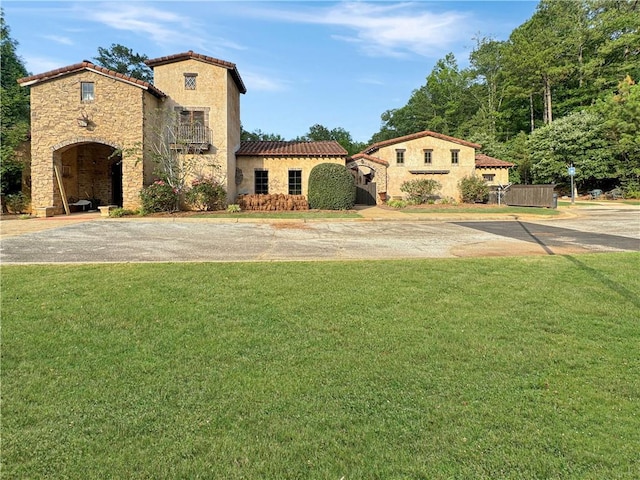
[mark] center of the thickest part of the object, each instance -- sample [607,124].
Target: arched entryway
[370,176]
[91,175]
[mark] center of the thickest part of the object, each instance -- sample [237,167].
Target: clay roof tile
[294,148]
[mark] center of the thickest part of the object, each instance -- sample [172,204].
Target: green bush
[17,202]
[233,208]
[420,190]
[473,189]
[120,212]
[331,187]
[397,203]
[206,194]
[159,197]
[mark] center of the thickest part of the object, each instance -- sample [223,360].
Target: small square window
[190,81]
[455,157]
[399,157]
[428,157]
[261,182]
[488,177]
[295,182]
[87,92]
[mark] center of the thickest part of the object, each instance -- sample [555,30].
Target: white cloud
[35,64]
[260,82]
[58,39]
[381,29]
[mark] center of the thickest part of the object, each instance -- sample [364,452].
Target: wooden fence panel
[530,196]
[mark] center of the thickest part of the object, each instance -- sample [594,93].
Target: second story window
[428,154]
[454,157]
[399,157]
[190,81]
[87,91]
[193,126]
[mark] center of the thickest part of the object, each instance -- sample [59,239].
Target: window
[399,157]
[190,81]
[454,157]
[87,91]
[428,157]
[295,182]
[192,125]
[488,177]
[261,181]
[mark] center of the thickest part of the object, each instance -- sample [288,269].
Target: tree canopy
[123,60]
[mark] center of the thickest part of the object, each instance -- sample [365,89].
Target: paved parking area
[188,240]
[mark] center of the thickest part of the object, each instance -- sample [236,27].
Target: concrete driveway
[179,239]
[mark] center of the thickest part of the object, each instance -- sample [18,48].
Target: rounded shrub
[473,189]
[159,197]
[206,194]
[331,187]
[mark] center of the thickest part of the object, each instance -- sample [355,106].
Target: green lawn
[478,368]
[483,210]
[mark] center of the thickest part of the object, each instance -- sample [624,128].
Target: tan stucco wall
[278,168]
[414,160]
[215,90]
[116,119]
[501,175]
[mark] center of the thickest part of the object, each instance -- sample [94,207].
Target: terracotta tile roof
[86,65]
[286,149]
[413,136]
[371,158]
[483,160]
[190,55]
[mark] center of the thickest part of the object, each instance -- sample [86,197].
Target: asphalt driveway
[187,240]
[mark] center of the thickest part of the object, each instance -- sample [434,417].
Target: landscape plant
[17,202]
[420,190]
[159,197]
[473,189]
[331,187]
[206,194]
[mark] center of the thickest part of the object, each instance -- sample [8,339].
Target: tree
[577,139]
[621,113]
[318,133]
[123,60]
[259,135]
[14,110]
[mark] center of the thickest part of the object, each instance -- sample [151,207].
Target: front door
[116,183]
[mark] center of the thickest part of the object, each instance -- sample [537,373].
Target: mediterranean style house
[93,133]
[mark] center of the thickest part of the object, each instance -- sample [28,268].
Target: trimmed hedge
[331,187]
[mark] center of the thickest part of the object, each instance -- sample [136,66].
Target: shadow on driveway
[548,236]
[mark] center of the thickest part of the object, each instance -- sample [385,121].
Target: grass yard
[504,368]
[483,209]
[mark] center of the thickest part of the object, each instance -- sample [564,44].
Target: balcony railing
[194,137]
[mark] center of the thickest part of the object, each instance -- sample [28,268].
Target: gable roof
[426,133]
[86,65]
[329,148]
[371,158]
[486,161]
[190,55]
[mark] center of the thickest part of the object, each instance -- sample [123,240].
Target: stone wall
[216,92]
[60,121]
[278,168]
[441,169]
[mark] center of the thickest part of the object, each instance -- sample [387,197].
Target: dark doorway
[366,194]
[116,183]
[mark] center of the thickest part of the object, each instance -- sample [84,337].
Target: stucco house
[92,130]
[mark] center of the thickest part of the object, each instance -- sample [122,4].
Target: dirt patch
[291,225]
[511,249]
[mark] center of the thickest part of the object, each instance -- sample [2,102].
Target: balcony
[195,138]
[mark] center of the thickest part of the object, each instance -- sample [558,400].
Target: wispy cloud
[265,83]
[36,64]
[380,29]
[58,39]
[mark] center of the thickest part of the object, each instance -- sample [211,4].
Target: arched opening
[91,175]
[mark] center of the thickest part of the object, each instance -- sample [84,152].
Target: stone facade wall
[216,92]
[278,168]
[114,118]
[414,160]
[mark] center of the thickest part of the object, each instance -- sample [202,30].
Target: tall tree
[319,132]
[259,135]
[14,121]
[123,60]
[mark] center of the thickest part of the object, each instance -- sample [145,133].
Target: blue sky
[339,64]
